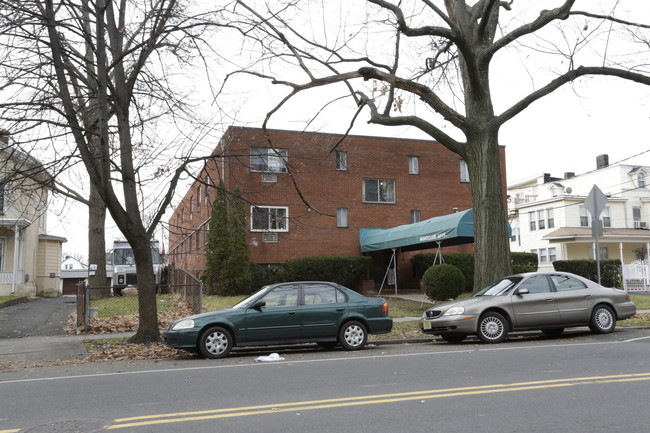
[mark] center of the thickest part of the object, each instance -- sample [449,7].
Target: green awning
[453,229]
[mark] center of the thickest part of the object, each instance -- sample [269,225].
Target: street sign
[595,203]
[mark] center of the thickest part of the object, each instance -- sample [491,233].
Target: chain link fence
[99,311]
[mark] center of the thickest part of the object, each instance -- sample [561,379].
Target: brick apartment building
[309,194]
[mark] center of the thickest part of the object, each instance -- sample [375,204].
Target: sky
[561,133]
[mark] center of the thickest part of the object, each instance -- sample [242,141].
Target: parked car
[548,301]
[293,312]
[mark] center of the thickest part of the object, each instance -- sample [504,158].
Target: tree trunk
[96,238]
[148,324]
[491,242]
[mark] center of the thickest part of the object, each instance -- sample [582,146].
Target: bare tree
[95,83]
[427,64]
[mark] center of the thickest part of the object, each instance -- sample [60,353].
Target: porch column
[16,256]
[620,251]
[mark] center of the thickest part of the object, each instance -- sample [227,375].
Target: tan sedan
[548,301]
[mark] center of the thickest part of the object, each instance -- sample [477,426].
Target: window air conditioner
[270,238]
[640,225]
[269,177]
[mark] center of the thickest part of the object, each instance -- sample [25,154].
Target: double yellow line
[169,418]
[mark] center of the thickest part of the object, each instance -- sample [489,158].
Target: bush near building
[443,282]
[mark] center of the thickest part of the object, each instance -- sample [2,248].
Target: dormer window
[640,179]
[637,175]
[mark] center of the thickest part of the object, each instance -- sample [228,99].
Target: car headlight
[183,324]
[454,311]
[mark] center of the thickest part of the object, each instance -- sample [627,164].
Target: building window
[198,239]
[604,252]
[532,221]
[584,217]
[542,255]
[550,220]
[640,177]
[341,160]
[415,216]
[605,216]
[198,196]
[414,165]
[268,160]
[379,191]
[191,207]
[464,171]
[3,201]
[552,255]
[269,219]
[342,217]
[540,219]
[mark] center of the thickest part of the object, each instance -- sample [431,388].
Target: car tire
[492,328]
[553,332]
[453,338]
[603,320]
[353,335]
[215,342]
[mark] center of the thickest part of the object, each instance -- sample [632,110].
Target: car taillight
[627,297]
[384,308]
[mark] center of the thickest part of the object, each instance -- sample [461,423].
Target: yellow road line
[367,400]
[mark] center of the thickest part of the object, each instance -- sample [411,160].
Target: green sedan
[295,312]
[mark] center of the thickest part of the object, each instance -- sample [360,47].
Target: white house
[29,257]
[549,216]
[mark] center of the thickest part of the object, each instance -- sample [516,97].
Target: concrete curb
[16,301]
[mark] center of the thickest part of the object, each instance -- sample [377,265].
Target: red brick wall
[314,182]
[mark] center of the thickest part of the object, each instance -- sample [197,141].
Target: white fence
[636,276]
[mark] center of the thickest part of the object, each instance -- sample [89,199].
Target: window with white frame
[640,178]
[584,216]
[415,216]
[541,220]
[543,258]
[414,164]
[379,191]
[604,252]
[552,254]
[532,221]
[342,217]
[550,219]
[605,216]
[464,171]
[269,219]
[268,160]
[341,160]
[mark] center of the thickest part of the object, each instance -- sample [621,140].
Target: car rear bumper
[625,310]
[380,325]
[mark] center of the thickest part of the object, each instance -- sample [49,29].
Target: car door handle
[550,299]
[292,312]
[340,309]
[587,296]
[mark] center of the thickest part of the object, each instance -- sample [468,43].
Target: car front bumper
[183,339]
[461,324]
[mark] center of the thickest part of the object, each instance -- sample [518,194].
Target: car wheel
[553,333]
[353,335]
[215,342]
[492,328]
[603,320]
[453,338]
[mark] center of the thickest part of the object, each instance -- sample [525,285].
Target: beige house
[29,258]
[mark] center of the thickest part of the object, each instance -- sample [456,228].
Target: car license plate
[426,324]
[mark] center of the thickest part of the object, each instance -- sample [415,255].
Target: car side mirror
[522,291]
[258,305]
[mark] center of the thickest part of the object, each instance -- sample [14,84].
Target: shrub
[523,262]
[610,270]
[442,282]
[463,261]
[346,271]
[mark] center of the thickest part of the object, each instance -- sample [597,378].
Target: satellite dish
[569,190]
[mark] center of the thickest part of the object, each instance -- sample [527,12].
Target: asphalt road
[39,317]
[579,383]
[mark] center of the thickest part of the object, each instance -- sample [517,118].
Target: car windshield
[248,300]
[499,287]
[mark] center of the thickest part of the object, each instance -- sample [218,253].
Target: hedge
[346,271]
[521,262]
[610,270]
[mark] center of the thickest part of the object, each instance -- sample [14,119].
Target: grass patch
[214,303]
[121,306]
[102,343]
[7,298]
[642,301]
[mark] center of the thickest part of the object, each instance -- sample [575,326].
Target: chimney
[602,161]
[569,174]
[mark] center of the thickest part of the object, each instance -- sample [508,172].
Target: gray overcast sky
[563,132]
